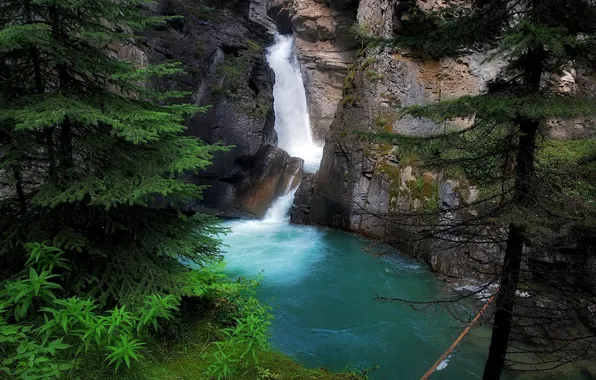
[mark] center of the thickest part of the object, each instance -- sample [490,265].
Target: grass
[372,75]
[254,46]
[350,100]
[192,354]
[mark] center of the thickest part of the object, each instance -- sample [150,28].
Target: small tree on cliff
[88,155]
[535,191]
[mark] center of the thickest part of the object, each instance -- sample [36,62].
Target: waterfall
[278,212]
[293,129]
[292,121]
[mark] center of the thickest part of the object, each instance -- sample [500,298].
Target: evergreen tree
[537,193]
[92,158]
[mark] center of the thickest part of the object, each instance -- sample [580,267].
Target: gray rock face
[361,184]
[221,47]
[258,14]
[300,213]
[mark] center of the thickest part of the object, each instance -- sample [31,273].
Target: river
[321,287]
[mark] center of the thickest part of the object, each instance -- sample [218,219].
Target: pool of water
[321,286]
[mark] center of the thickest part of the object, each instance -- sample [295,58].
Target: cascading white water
[292,125]
[292,121]
[278,212]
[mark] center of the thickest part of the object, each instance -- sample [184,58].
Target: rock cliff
[349,88]
[221,45]
[360,184]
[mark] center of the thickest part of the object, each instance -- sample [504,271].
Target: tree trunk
[22,198]
[524,172]
[65,139]
[513,253]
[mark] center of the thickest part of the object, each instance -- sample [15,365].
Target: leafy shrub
[243,341]
[43,335]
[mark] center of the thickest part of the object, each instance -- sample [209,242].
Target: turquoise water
[321,286]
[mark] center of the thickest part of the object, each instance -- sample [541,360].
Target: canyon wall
[221,46]
[349,89]
[360,184]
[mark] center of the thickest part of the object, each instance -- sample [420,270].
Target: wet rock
[255,182]
[360,184]
[450,198]
[258,14]
[261,178]
[300,213]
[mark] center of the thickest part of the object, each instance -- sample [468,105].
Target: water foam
[285,253]
[279,210]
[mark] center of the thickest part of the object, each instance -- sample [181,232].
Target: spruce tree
[92,158]
[536,192]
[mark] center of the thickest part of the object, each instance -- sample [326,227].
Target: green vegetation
[200,50]
[233,72]
[254,46]
[360,30]
[45,334]
[349,79]
[391,99]
[385,122]
[573,163]
[367,62]
[350,100]
[211,328]
[204,12]
[392,174]
[372,75]
[93,157]
[196,351]
[262,109]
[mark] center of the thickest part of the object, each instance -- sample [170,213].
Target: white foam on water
[279,210]
[484,293]
[285,253]
[272,245]
[444,363]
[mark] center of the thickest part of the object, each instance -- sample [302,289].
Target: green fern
[124,350]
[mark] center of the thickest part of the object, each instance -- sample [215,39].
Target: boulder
[263,177]
[255,182]
[300,213]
